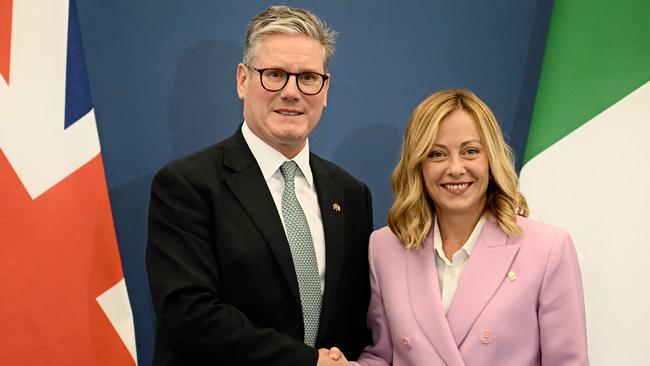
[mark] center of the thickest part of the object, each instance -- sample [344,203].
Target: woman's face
[456,170]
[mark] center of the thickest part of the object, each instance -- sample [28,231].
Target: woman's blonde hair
[411,216]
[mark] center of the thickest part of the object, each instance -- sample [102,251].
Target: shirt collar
[469,244]
[269,159]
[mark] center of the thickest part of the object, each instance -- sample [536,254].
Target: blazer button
[486,336]
[406,343]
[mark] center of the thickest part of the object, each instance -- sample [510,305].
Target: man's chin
[292,137]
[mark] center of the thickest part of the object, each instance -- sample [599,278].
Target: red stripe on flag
[57,254]
[5,37]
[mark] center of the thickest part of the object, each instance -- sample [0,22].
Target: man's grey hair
[288,20]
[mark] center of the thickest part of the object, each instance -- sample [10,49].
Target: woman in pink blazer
[460,276]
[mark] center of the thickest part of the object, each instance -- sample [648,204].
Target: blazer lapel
[486,269]
[334,221]
[426,303]
[250,188]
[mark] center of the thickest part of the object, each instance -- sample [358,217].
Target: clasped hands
[331,357]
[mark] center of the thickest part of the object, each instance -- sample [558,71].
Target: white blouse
[449,271]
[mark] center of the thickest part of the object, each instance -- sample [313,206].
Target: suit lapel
[251,190]
[426,304]
[334,228]
[486,269]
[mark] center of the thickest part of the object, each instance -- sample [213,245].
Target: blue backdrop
[162,76]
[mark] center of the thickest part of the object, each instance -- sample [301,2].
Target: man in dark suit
[257,251]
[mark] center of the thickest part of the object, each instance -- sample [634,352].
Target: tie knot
[288,169]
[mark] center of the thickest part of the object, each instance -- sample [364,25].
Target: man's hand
[336,354]
[332,357]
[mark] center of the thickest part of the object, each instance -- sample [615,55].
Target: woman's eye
[472,151]
[435,154]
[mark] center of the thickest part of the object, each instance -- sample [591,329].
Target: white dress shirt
[269,161]
[449,271]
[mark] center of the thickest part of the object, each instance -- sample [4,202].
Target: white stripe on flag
[115,304]
[595,182]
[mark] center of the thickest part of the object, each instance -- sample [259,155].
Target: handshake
[333,357]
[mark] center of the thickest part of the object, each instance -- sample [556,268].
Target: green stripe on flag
[597,52]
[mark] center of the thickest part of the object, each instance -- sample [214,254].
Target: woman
[460,276]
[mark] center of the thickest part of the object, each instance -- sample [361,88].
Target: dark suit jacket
[220,269]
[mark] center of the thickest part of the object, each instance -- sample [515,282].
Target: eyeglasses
[309,83]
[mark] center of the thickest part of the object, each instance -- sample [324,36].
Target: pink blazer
[519,302]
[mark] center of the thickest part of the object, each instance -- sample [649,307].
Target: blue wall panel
[162,75]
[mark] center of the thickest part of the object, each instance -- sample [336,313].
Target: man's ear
[242,78]
[325,89]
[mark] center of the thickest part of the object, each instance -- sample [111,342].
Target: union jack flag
[63,298]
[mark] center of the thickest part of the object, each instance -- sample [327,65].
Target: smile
[456,188]
[288,113]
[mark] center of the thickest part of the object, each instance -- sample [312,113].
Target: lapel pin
[512,276]
[336,207]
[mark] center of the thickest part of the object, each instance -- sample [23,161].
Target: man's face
[283,119]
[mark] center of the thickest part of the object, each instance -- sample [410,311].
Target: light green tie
[302,252]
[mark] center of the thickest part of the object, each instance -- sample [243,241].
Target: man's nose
[291,91]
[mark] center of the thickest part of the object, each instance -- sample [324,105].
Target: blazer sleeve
[561,312]
[194,324]
[380,353]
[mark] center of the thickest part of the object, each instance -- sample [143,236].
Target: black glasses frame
[296,74]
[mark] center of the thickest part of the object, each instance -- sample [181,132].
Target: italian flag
[587,164]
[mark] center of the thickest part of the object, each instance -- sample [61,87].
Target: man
[257,251]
